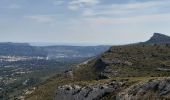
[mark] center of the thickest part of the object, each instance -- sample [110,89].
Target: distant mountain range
[20,49]
[53,52]
[57,52]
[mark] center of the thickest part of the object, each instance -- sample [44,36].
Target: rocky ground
[153,89]
[90,92]
[145,67]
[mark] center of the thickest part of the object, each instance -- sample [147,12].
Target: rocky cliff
[128,61]
[158,38]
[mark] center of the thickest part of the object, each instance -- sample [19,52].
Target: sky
[83,22]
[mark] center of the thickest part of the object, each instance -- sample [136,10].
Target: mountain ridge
[134,65]
[158,38]
[52,52]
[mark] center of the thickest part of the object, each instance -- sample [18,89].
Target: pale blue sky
[83,21]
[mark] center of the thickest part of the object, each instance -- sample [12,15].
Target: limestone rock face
[91,92]
[155,89]
[158,38]
[104,66]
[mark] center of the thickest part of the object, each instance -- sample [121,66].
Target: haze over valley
[84,50]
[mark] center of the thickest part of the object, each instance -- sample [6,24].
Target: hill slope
[158,38]
[151,58]
[131,61]
[127,66]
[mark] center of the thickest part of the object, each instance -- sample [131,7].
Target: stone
[89,92]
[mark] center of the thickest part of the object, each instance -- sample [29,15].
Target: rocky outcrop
[104,67]
[152,90]
[100,65]
[155,89]
[107,62]
[158,38]
[90,92]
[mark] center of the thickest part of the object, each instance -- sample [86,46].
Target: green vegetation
[23,66]
[45,91]
[145,62]
[24,75]
[135,64]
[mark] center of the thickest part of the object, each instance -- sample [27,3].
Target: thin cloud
[127,13]
[104,21]
[77,4]
[41,18]
[126,9]
[58,2]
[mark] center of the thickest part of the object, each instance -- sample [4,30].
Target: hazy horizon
[73,44]
[59,44]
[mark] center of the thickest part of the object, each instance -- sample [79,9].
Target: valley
[23,66]
[84,50]
[80,73]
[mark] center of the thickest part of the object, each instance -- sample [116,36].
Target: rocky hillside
[124,89]
[158,38]
[128,61]
[158,89]
[149,59]
[136,60]
[126,72]
[89,92]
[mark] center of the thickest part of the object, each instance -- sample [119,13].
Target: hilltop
[158,38]
[150,58]
[120,72]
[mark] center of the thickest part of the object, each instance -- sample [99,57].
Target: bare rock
[155,89]
[91,92]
